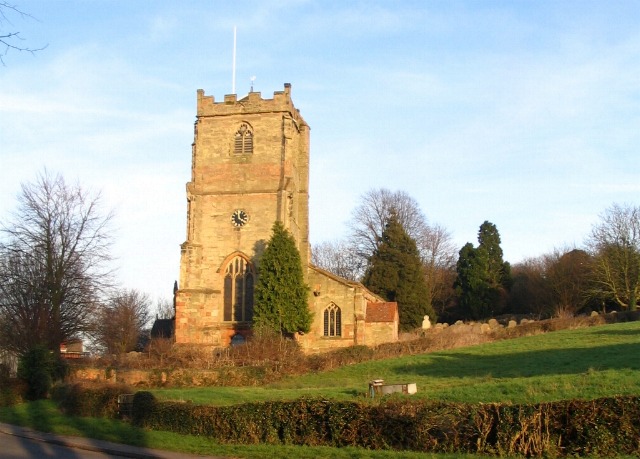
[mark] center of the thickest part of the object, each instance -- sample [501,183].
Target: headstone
[426,323]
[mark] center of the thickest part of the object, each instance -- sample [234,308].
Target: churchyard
[575,364]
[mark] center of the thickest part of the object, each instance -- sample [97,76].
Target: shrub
[143,407]
[36,368]
[94,400]
[12,391]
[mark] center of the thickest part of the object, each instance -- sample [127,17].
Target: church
[249,169]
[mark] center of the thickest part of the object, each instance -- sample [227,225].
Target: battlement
[251,103]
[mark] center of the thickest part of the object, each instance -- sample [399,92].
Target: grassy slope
[583,363]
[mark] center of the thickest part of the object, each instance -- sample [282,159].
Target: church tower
[250,168]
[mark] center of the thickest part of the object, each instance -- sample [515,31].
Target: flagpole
[233,72]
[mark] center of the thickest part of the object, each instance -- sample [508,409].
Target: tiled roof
[382,312]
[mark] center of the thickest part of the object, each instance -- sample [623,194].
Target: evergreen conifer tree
[472,284]
[396,273]
[483,277]
[281,296]
[499,271]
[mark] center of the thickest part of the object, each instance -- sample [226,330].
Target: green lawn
[584,363]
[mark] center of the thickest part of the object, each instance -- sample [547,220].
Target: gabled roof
[335,277]
[343,281]
[382,312]
[163,328]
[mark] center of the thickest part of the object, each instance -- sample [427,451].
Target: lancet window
[332,321]
[239,280]
[243,141]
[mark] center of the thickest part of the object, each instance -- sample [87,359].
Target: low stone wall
[494,324]
[180,377]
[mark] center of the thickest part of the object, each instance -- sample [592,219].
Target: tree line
[390,240]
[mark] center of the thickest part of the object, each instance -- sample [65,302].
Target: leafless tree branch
[11,40]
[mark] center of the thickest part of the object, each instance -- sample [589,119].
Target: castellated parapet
[252,103]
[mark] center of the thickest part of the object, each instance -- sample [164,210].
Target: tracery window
[243,141]
[332,321]
[239,280]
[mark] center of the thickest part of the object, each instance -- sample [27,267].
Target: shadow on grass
[529,363]
[616,332]
[44,416]
[354,392]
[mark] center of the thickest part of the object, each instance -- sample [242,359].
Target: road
[14,447]
[22,442]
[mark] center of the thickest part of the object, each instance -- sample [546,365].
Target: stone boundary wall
[156,378]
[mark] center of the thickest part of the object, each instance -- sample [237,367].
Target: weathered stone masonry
[250,168]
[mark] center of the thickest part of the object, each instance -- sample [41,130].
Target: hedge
[575,427]
[99,400]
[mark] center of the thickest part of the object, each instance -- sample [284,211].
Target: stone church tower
[250,168]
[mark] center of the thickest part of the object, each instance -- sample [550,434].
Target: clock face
[239,218]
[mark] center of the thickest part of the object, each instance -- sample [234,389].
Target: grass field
[583,363]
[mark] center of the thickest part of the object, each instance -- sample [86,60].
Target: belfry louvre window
[332,321]
[243,141]
[238,291]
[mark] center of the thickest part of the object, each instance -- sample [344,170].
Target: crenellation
[252,103]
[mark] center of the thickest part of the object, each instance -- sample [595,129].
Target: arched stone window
[243,141]
[239,279]
[332,321]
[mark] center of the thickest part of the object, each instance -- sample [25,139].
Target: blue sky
[523,113]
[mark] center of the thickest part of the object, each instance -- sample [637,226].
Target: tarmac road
[21,443]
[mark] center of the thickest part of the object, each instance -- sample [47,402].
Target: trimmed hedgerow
[576,427]
[142,404]
[95,400]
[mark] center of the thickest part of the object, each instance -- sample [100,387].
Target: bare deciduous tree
[339,258]
[438,256]
[11,40]
[53,270]
[165,309]
[121,321]
[615,245]
[530,292]
[555,284]
[372,215]
[568,273]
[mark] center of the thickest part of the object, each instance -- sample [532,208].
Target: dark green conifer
[396,273]
[499,271]
[483,277]
[281,296]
